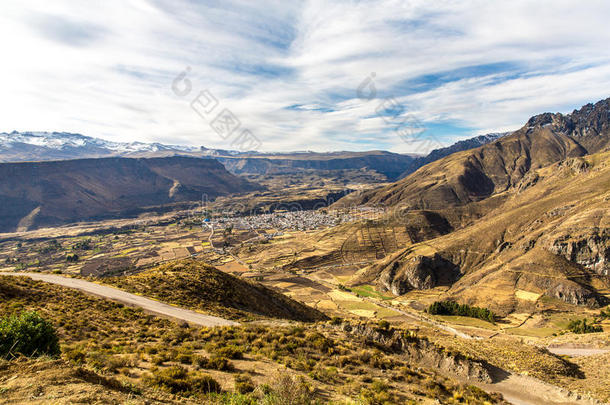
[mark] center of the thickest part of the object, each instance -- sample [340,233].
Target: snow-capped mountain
[28,146]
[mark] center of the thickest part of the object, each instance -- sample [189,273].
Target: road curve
[115,294]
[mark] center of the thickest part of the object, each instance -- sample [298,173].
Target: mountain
[389,164]
[35,194]
[551,237]
[392,165]
[459,146]
[525,216]
[477,174]
[44,146]
[36,146]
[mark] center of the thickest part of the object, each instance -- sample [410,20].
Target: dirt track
[115,294]
[576,351]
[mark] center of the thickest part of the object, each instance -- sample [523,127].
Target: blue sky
[290,71]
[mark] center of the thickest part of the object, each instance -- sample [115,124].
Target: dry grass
[134,352]
[196,285]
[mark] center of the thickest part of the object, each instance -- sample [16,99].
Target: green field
[368,290]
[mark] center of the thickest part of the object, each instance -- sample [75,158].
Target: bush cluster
[453,308]
[27,334]
[178,380]
[581,326]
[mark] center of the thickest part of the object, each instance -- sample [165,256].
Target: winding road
[115,294]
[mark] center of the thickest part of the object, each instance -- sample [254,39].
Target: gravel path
[115,294]
[576,351]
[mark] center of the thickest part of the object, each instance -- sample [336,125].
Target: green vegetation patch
[581,326]
[367,290]
[27,334]
[453,308]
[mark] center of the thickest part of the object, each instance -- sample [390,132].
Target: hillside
[459,146]
[36,194]
[115,354]
[492,169]
[550,238]
[196,285]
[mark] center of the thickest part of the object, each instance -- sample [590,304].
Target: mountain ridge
[528,213]
[46,146]
[35,194]
[477,174]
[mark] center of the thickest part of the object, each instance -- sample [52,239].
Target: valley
[208,284]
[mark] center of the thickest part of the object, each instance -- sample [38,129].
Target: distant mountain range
[39,146]
[45,146]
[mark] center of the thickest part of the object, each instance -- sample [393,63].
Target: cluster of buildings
[285,220]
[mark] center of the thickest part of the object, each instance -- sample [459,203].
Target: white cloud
[105,68]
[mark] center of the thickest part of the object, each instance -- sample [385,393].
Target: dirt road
[115,294]
[524,390]
[575,351]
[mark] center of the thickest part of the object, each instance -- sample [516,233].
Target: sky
[404,76]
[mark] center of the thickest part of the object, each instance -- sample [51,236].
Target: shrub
[383,324]
[199,361]
[178,380]
[72,258]
[27,334]
[289,390]
[244,384]
[230,351]
[184,358]
[84,244]
[52,246]
[220,364]
[604,314]
[581,326]
[76,355]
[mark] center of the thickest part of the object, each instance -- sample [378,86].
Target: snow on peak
[66,141]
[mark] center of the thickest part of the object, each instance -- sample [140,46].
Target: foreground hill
[114,354]
[36,194]
[196,285]
[492,169]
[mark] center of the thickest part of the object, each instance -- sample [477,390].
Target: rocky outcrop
[589,125]
[573,293]
[527,181]
[416,273]
[421,351]
[591,251]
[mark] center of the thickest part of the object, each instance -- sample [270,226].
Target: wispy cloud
[289,70]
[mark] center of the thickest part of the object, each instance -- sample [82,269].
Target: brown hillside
[550,237]
[196,285]
[35,194]
[491,169]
